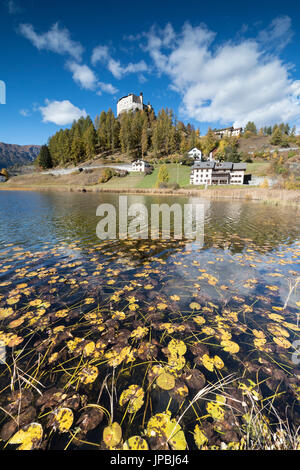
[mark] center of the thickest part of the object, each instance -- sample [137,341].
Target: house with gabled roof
[213,172]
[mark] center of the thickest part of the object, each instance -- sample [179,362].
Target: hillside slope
[11,154]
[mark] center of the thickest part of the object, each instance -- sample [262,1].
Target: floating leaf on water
[215,410]
[276,317]
[282,342]
[5,313]
[134,395]
[176,363]
[112,435]
[162,426]
[88,374]
[218,363]
[62,419]
[135,443]
[277,330]
[165,381]
[207,330]
[139,332]
[89,348]
[199,436]
[195,306]
[230,346]
[208,362]
[259,343]
[176,347]
[258,334]
[29,437]
[199,320]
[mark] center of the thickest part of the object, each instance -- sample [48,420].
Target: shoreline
[271,196]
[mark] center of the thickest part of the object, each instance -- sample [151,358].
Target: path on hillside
[67,171]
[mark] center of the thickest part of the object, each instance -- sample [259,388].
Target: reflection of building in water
[194,220]
[232,211]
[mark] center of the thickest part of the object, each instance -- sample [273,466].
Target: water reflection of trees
[229,225]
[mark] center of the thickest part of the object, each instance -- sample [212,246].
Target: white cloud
[86,78]
[13,7]
[83,75]
[232,83]
[100,54]
[107,88]
[119,71]
[278,34]
[56,40]
[24,112]
[61,112]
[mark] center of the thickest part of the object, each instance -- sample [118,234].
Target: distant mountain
[11,154]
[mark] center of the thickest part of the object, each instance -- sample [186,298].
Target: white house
[195,153]
[237,173]
[212,172]
[140,166]
[228,132]
[131,102]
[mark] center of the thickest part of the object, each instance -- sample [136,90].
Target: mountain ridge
[14,154]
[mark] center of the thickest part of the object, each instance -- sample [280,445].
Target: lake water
[82,320]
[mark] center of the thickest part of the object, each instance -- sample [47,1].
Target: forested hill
[11,154]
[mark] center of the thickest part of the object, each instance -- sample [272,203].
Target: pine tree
[44,158]
[144,137]
[89,138]
[251,127]
[209,142]
[77,152]
[277,136]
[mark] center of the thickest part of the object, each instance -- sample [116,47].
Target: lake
[148,344]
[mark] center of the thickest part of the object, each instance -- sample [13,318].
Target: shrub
[163,175]
[4,173]
[105,175]
[264,184]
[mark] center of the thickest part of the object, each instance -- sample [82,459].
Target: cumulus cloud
[119,71]
[102,54]
[229,83]
[83,75]
[61,112]
[86,78]
[107,88]
[56,40]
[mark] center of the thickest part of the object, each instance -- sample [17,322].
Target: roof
[194,148]
[228,129]
[223,165]
[224,129]
[219,165]
[207,165]
[239,166]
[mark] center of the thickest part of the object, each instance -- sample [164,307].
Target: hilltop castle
[132,102]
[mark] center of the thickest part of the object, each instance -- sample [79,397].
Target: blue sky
[214,63]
